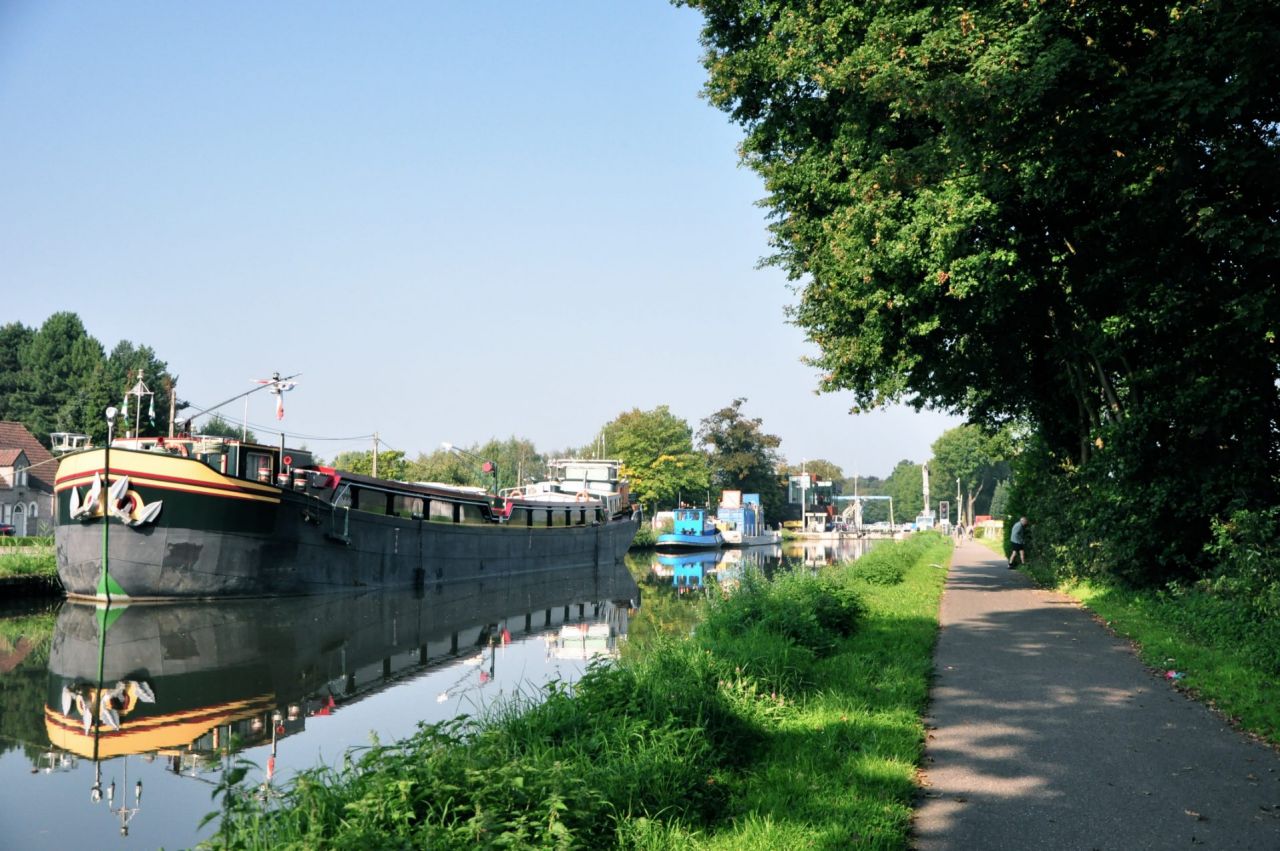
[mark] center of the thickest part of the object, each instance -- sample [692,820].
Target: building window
[21,477]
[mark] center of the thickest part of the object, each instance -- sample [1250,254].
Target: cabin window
[343,499]
[472,514]
[370,501]
[408,506]
[538,517]
[519,517]
[440,511]
[257,466]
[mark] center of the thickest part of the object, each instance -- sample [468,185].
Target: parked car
[6,529]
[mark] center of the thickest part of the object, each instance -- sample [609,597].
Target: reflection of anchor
[119,701]
[125,504]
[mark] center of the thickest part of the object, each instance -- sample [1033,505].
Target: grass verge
[27,557]
[791,718]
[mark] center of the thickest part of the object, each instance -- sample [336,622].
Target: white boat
[740,519]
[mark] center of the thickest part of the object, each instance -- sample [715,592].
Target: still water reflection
[115,725]
[689,571]
[143,707]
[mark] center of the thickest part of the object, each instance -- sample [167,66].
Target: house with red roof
[27,472]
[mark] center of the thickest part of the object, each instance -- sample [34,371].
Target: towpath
[1047,732]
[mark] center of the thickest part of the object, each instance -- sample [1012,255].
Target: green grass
[791,718]
[27,557]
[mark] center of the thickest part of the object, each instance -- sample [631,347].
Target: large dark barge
[204,517]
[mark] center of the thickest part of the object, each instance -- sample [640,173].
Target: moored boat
[740,519]
[209,517]
[692,530]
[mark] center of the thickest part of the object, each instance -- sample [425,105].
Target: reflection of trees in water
[662,611]
[26,633]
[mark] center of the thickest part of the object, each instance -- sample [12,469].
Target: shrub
[814,612]
[1246,554]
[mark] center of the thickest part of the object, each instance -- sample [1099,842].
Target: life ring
[582,496]
[515,494]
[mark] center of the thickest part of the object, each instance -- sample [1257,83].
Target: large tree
[906,485]
[61,368]
[1058,212]
[975,458]
[656,449]
[57,378]
[742,456]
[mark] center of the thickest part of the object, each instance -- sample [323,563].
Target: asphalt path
[1047,732]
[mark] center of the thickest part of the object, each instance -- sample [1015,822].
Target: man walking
[1018,542]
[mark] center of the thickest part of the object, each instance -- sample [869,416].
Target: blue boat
[693,530]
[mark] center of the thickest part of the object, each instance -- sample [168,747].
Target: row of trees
[59,378]
[666,462]
[1060,216]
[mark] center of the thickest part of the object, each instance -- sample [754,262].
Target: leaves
[1034,213]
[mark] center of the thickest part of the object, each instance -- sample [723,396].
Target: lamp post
[485,464]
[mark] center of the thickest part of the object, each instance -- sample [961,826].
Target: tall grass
[27,557]
[791,718]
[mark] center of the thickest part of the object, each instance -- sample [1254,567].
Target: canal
[180,692]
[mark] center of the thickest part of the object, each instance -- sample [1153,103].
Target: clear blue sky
[458,221]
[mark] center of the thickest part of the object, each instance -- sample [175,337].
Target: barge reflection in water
[141,695]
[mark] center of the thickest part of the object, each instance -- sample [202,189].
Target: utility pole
[375,455]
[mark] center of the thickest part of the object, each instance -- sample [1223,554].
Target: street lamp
[487,466]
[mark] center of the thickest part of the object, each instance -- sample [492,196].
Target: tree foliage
[659,460]
[978,458]
[742,456]
[1060,213]
[824,470]
[58,378]
[391,463]
[219,426]
[906,485]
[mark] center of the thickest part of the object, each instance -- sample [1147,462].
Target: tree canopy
[59,378]
[656,449]
[978,459]
[1063,214]
[742,456]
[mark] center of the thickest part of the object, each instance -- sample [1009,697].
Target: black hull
[304,558]
[214,536]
